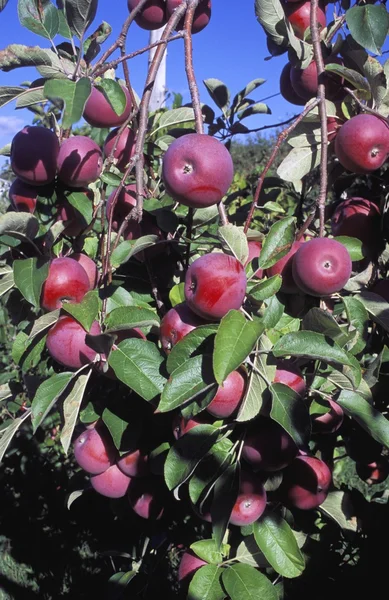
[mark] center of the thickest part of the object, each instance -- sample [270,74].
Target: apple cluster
[156,13]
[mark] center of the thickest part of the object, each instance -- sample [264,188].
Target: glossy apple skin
[23,197]
[254,252]
[80,161]
[306,482]
[228,396]
[66,343]
[99,113]
[299,13]
[290,375]
[214,284]
[176,324]
[125,147]
[134,464]
[375,472]
[330,421]
[321,267]
[152,16]
[286,89]
[94,451]
[305,82]
[362,144]
[284,267]
[89,267]
[145,498]
[34,152]
[359,218]
[201,18]
[251,500]
[67,279]
[189,564]
[181,426]
[112,483]
[197,170]
[268,447]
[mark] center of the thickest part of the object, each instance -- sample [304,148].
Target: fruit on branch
[66,280]
[362,144]
[375,472]
[254,252]
[67,344]
[330,421]
[305,82]
[228,396]
[299,13]
[125,202]
[197,170]
[176,324]
[23,197]
[89,267]
[321,267]
[284,267]
[359,218]
[99,113]
[134,464]
[189,564]
[251,501]
[112,483]
[268,447]
[286,88]
[333,126]
[125,146]
[80,161]
[145,498]
[181,426]
[94,451]
[306,482]
[290,375]
[214,284]
[34,152]
[151,16]
[201,17]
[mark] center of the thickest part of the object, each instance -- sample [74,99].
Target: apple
[201,18]
[267,446]
[251,501]
[99,113]
[145,498]
[23,197]
[284,267]
[286,89]
[305,82]
[362,144]
[254,252]
[80,161]
[89,267]
[333,126]
[306,482]
[197,170]
[134,464]
[321,267]
[299,14]
[290,375]
[215,283]
[125,202]
[330,421]
[66,342]
[181,426]
[375,472]
[189,564]
[94,451]
[34,152]
[176,324]
[66,280]
[228,396]
[125,146]
[359,218]
[112,483]
[72,219]
[151,16]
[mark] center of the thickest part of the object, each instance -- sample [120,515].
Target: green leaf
[266,288]
[246,582]
[261,376]
[366,415]
[358,318]
[321,321]
[79,15]
[30,274]
[187,452]
[248,553]
[30,97]
[7,94]
[353,245]
[114,93]
[259,108]
[177,294]
[8,433]
[219,93]
[291,412]
[47,395]
[273,313]
[124,425]
[205,584]
[225,493]
[234,241]
[278,242]
[39,16]
[171,118]
[186,382]
[337,506]
[299,162]
[27,352]
[207,550]
[353,77]
[240,96]
[19,223]
[43,323]
[126,249]
[234,341]
[71,409]
[6,283]
[214,463]
[83,204]
[278,543]
[377,307]
[129,317]
[86,311]
[137,363]
[369,26]
[203,336]
[73,93]
[3,4]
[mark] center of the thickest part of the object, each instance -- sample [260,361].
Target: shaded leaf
[39,16]
[47,395]
[71,408]
[291,412]
[277,243]
[245,581]
[30,274]
[74,95]
[205,584]
[366,415]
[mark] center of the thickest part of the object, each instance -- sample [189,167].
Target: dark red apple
[197,170]
[151,16]
[67,280]
[286,88]
[290,375]
[254,252]
[215,283]
[189,564]
[125,146]
[201,18]
[145,498]
[89,266]
[112,483]
[268,447]
[299,14]
[306,482]
[359,218]
[80,161]
[375,472]
[321,267]
[284,268]
[94,450]
[330,421]
[125,202]
[305,82]
[99,113]
[134,464]
[23,197]
[228,396]
[66,342]
[362,144]
[176,324]
[34,152]
[251,501]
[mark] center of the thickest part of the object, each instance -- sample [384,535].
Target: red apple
[251,501]
[290,375]
[23,197]
[359,218]
[286,88]
[189,564]
[99,113]
[94,451]
[268,447]
[201,18]
[67,280]
[125,202]
[89,266]
[66,342]
[151,16]
[306,482]
[284,268]
[330,421]
[228,396]
[176,324]
[299,14]
[34,152]
[145,498]
[134,464]
[80,161]
[362,144]
[375,472]
[125,146]
[254,252]
[112,483]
